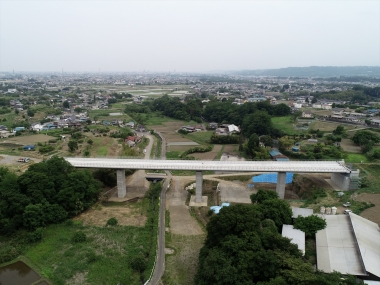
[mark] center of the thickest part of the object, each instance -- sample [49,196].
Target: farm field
[29,139]
[328,126]
[210,155]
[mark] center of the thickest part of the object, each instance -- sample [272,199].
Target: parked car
[347,204]
[347,212]
[23,159]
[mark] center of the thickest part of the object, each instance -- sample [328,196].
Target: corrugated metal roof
[304,212]
[368,238]
[337,248]
[297,236]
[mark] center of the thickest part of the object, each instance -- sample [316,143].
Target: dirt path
[372,214]
[180,220]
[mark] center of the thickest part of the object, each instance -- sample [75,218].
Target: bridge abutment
[346,181]
[121,185]
[281,183]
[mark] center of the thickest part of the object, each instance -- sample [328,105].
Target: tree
[34,216]
[138,264]
[286,142]
[263,195]
[259,123]
[363,137]
[90,141]
[295,115]
[276,210]
[314,100]
[253,142]
[73,145]
[78,110]
[339,131]
[310,225]
[266,140]
[30,113]
[66,104]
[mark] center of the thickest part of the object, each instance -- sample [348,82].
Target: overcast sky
[186,35]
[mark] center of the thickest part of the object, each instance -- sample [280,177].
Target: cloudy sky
[186,35]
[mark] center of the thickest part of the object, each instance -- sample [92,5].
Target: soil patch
[372,214]
[349,146]
[181,148]
[230,149]
[126,215]
[181,221]
[30,139]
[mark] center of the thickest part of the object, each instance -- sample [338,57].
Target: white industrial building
[349,244]
[296,236]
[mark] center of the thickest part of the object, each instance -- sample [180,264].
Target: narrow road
[160,258]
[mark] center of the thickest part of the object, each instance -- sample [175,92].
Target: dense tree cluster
[358,94]
[48,192]
[244,246]
[226,112]
[252,117]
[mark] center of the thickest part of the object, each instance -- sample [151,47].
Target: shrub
[69,222]
[138,264]
[79,237]
[91,257]
[46,148]
[112,222]
[35,236]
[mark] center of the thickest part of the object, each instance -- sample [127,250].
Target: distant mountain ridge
[315,71]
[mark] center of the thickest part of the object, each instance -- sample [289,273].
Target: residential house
[213,125]
[307,114]
[130,125]
[36,127]
[232,129]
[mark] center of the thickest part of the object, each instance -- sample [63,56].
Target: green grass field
[370,174]
[200,137]
[285,124]
[173,154]
[181,266]
[356,158]
[105,257]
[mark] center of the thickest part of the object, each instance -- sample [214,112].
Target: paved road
[160,259]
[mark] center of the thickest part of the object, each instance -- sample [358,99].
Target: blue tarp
[216,209]
[274,152]
[271,178]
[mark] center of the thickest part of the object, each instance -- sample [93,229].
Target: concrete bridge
[340,174]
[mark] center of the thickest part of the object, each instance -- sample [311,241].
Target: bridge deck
[202,165]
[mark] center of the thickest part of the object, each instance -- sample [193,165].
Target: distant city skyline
[186,36]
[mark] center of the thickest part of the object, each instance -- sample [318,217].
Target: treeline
[48,192]
[174,108]
[218,111]
[358,94]
[226,112]
[244,246]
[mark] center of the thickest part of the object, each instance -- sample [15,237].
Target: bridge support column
[198,186]
[198,200]
[121,185]
[281,182]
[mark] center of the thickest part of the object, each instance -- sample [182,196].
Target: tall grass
[105,256]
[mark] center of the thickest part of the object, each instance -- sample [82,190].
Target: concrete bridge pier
[121,185]
[198,185]
[281,182]
[198,200]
